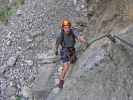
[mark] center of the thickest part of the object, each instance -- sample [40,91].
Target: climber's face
[66,29]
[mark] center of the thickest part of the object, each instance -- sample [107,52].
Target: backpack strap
[62,38]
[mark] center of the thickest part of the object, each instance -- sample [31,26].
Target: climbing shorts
[68,55]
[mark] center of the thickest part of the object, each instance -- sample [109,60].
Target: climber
[66,40]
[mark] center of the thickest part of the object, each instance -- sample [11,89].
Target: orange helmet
[66,23]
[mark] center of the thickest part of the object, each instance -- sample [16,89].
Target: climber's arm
[58,42]
[79,37]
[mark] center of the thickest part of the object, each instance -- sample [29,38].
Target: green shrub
[19,3]
[6,12]
[18,98]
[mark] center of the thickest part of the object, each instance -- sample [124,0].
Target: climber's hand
[82,39]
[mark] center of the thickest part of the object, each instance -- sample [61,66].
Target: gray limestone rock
[11,61]
[11,91]
[102,72]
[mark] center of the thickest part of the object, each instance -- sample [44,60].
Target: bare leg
[68,72]
[65,70]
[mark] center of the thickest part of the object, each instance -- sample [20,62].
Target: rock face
[130,11]
[27,46]
[4,2]
[104,71]
[29,68]
[109,77]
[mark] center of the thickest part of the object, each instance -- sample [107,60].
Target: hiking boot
[61,83]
